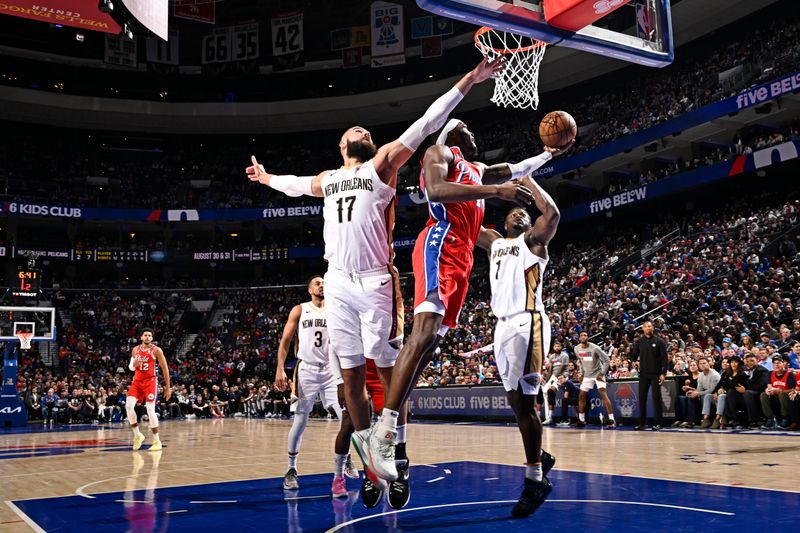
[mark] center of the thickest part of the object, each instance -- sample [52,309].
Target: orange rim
[483,47]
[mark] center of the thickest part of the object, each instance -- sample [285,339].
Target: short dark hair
[646,321]
[145,330]
[748,355]
[312,278]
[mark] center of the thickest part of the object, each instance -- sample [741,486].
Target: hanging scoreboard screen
[25,283]
[234,43]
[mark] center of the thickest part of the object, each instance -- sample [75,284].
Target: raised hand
[488,69]
[256,172]
[558,151]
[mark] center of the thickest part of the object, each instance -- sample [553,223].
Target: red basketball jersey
[147,357]
[465,218]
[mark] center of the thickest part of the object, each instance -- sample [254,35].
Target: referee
[651,352]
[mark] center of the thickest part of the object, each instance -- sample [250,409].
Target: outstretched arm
[543,230]
[288,184]
[283,349]
[486,237]
[502,172]
[437,189]
[392,156]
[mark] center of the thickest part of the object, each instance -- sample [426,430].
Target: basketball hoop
[518,85]
[24,339]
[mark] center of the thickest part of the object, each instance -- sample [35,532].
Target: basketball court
[216,474]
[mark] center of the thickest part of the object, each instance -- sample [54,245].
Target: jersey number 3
[318,337]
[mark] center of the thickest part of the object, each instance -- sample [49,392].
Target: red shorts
[374,387]
[442,263]
[144,391]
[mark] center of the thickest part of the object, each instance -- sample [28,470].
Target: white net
[518,85]
[24,340]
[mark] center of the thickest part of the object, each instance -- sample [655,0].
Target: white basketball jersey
[312,335]
[516,277]
[359,218]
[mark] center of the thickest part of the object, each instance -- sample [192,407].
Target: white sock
[293,460]
[338,464]
[389,419]
[401,434]
[136,431]
[582,417]
[533,472]
[611,417]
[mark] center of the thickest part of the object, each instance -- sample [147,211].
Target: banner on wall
[287,40]
[388,43]
[491,401]
[197,10]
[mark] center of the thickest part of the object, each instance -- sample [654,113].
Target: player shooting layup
[145,359]
[522,334]
[364,304]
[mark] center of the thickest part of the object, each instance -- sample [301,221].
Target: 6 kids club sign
[82,14]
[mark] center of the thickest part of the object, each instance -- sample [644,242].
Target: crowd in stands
[719,284]
[180,173]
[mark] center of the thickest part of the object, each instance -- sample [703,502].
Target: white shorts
[311,379]
[365,316]
[521,343]
[589,383]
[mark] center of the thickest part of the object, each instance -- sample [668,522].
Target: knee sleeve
[130,408]
[296,433]
[151,414]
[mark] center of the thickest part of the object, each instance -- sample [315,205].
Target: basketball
[558,129]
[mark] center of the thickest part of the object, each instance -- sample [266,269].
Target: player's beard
[361,150]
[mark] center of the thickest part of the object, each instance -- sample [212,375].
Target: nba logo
[644,24]
[386,19]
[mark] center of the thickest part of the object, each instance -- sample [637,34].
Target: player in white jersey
[522,335]
[365,317]
[313,375]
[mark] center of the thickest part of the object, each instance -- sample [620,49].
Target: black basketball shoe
[399,490]
[371,492]
[548,461]
[533,496]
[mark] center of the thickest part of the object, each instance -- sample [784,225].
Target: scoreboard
[26,282]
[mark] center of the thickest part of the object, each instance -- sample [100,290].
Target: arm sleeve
[293,186]
[131,365]
[432,120]
[526,167]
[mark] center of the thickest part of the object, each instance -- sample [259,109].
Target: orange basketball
[557,129]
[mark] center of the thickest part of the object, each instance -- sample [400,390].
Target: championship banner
[287,40]
[351,37]
[120,51]
[430,26]
[431,47]
[83,14]
[197,10]
[388,44]
[351,58]
[160,51]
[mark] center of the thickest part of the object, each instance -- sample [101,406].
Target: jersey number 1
[497,274]
[350,200]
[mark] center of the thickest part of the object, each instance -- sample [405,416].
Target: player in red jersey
[145,360]
[443,256]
